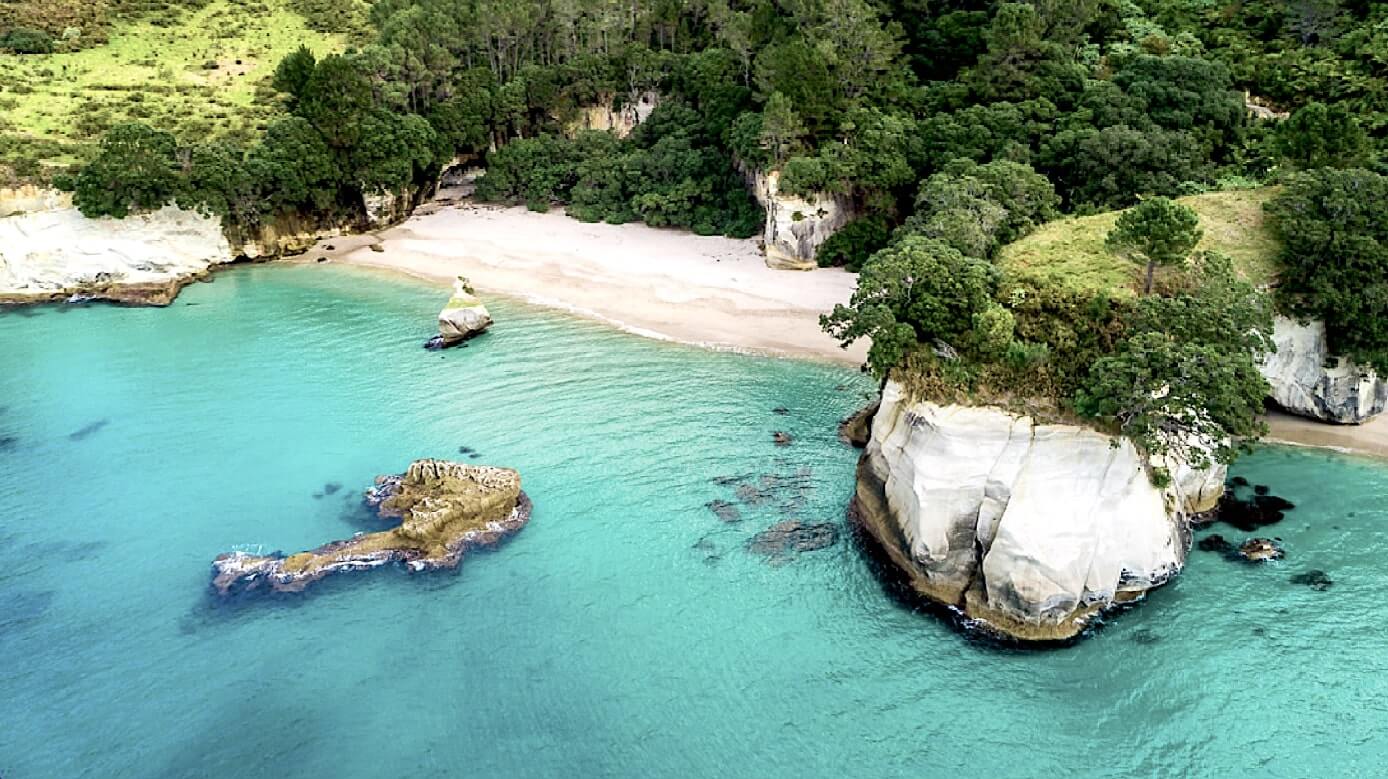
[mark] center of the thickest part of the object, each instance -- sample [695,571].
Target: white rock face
[55,251]
[463,317]
[620,122]
[385,208]
[796,227]
[1307,380]
[22,199]
[1030,528]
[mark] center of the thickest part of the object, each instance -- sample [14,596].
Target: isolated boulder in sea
[444,508]
[1028,530]
[1261,550]
[462,318]
[1306,379]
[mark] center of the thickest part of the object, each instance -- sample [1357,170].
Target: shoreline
[1367,440]
[672,285]
[711,292]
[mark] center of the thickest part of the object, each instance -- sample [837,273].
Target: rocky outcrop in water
[795,227]
[1028,530]
[1307,380]
[444,508]
[463,317]
[54,253]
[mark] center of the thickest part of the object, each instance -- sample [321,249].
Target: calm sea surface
[628,630]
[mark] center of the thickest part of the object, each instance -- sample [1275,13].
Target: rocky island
[1028,530]
[444,508]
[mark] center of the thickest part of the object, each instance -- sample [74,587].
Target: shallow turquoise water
[626,631]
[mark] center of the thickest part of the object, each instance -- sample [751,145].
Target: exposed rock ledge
[1028,530]
[1307,380]
[55,253]
[444,507]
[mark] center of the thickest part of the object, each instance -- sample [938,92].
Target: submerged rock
[782,438]
[1216,543]
[1315,579]
[1258,511]
[1307,380]
[88,430]
[1029,530]
[791,537]
[462,318]
[725,511]
[444,508]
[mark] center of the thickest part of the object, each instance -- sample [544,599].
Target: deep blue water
[626,631]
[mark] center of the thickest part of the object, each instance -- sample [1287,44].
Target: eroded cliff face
[1030,530]
[52,253]
[618,121]
[795,227]
[1307,380]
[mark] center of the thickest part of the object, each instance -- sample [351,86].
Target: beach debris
[376,247]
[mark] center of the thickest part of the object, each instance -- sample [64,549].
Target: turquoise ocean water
[626,631]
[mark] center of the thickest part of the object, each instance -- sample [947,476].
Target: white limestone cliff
[621,121]
[1028,529]
[795,227]
[1307,380]
[52,252]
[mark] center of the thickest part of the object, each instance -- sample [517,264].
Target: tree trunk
[1151,268]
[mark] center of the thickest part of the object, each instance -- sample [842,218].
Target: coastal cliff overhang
[1023,531]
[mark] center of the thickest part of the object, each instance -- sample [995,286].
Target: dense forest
[954,126]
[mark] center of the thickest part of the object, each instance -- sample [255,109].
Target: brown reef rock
[444,507]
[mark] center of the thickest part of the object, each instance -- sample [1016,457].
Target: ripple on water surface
[633,628]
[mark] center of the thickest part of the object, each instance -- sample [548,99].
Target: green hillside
[198,70]
[1071,251]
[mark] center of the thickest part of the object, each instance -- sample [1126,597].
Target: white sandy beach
[667,284]
[1369,439]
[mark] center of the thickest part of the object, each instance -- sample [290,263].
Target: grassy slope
[1071,251]
[53,107]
